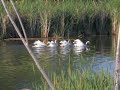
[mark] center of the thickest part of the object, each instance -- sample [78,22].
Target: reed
[77,80]
[66,17]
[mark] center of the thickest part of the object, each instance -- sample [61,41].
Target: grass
[76,80]
[82,17]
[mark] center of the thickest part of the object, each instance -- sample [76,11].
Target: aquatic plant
[64,17]
[77,80]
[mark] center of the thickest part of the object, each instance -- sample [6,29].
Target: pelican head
[88,42]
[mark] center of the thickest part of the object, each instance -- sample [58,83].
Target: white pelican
[79,46]
[52,43]
[79,43]
[65,43]
[38,43]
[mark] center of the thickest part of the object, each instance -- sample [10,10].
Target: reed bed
[77,80]
[63,18]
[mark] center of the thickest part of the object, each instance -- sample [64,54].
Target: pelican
[52,43]
[65,43]
[79,46]
[79,43]
[38,43]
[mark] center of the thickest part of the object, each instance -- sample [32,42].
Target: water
[16,66]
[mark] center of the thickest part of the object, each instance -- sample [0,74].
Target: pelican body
[38,43]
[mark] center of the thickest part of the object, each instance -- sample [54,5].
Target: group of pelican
[63,43]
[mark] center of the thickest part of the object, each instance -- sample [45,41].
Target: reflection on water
[65,50]
[104,63]
[17,66]
[79,50]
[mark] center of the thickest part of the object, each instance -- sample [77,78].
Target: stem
[117,67]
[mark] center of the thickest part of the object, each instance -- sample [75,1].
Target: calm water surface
[17,67]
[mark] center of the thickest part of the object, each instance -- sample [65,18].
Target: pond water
[17,67]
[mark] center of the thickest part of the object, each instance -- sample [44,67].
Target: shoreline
[17,39]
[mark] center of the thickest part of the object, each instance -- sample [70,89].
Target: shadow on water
[17,66]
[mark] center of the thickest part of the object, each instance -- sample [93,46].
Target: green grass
[76,80]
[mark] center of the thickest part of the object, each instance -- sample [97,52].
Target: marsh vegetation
[77,80]
[62,18]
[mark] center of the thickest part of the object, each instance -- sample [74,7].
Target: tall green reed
[64,17]
[77,80]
